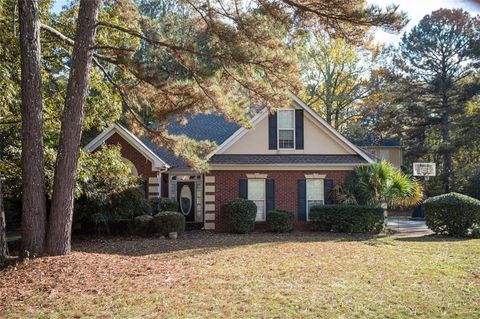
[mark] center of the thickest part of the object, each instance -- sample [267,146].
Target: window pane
[256,189]
[315,189]
[260,210]
[285,139]
[285,119]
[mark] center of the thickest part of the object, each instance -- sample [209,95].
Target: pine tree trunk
[33,178]
[3,228]
[60,226]
[445,131]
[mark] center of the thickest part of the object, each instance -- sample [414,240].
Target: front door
[186,200]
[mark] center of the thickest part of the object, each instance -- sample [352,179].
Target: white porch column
[209,202]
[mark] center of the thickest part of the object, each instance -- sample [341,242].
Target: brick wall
[142,164]
[227,188]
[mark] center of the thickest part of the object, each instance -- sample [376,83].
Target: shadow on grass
[199,242]
[432,238]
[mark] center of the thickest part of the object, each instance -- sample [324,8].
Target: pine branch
[71,42]
[142,36]
[109,47]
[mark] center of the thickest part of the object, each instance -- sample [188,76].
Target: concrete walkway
[407,226]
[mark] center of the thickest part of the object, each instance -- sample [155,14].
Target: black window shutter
[272,131]
[302,199]
[327,190]
[299,129]
[270,191]
[243,189]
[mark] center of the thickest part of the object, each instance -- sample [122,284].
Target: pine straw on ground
[200,275]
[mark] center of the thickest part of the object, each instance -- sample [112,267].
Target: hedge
[143,225]
[124,205]
[452,214]
[169,222]
[163,205]
[240,215]
[129,204]
[347,218]
[280,221]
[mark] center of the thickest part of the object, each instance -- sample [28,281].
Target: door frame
[181,175]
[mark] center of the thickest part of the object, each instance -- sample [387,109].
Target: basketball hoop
[424,169]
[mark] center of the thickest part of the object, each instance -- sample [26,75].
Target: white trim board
[128,136]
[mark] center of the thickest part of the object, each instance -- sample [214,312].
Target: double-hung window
[315,193]
[286,129]
[256,193]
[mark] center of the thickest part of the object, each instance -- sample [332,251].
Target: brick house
[289,160]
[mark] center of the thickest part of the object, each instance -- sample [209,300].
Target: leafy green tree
[336,76]
[103,107]
[103,173]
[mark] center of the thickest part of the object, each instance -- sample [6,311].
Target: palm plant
[381,183]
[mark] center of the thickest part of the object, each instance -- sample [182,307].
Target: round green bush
[280,221]
[163,205]
[143,225]
[240,215]
[452,214]
[169,222]
[475,233]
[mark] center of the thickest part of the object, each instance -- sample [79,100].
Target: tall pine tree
[432,75]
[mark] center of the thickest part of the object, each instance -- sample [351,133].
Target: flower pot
[173,235]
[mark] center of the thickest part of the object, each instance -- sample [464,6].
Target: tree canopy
[433,79]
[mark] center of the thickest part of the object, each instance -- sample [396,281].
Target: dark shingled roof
[370,140]
[216,128]
[286,159]
[199,127]
[205,127]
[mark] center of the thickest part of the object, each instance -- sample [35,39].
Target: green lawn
[301,275]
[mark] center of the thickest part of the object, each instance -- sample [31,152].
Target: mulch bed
[102,265]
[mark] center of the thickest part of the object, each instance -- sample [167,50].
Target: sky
[416,10]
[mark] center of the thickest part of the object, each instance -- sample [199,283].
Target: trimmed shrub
[347,218]
[240,215]
[169,222]
[452,214]
[163,205]
[143,225]
[475,233]
[119,206]
[128,204]
[280,221]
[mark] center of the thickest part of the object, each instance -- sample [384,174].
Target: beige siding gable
[317,140]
